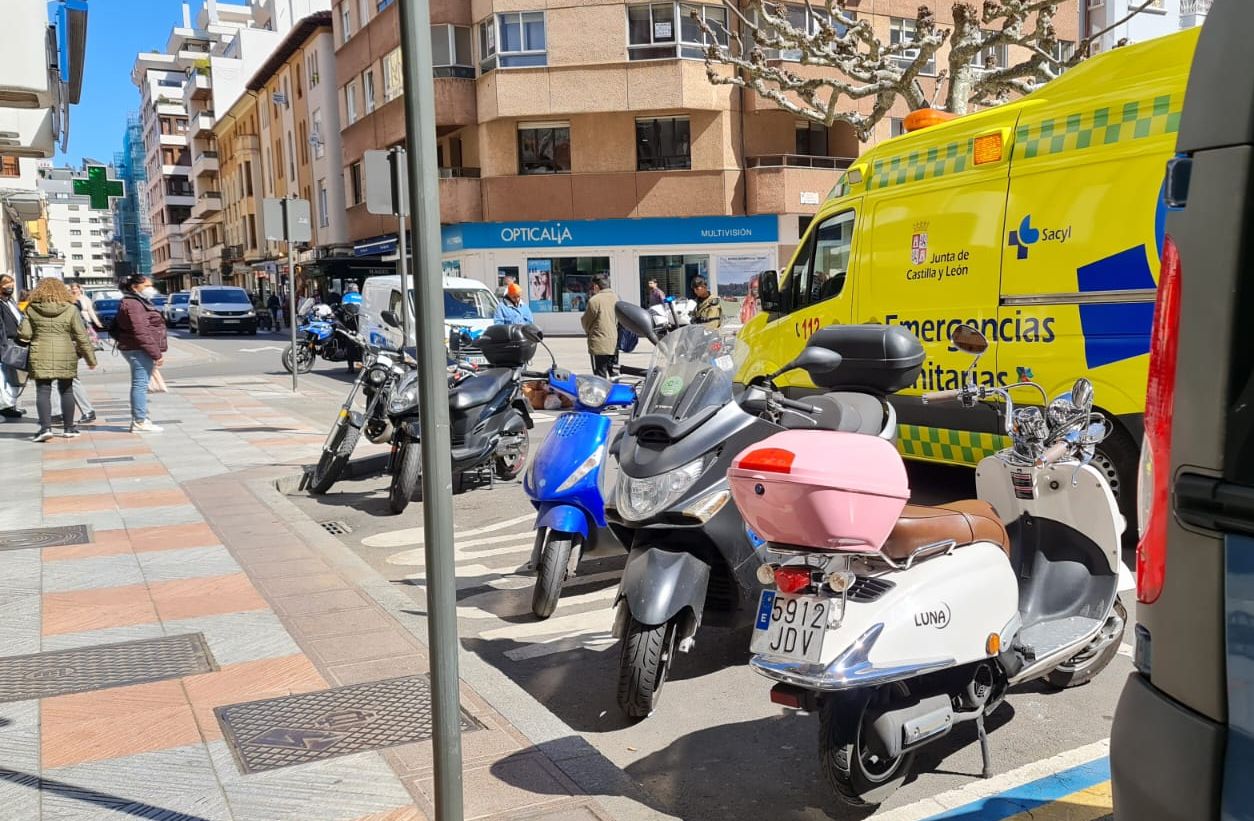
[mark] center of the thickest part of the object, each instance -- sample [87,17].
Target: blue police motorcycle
[316,336]
[565,481]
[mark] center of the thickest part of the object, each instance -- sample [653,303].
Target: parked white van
[468,305]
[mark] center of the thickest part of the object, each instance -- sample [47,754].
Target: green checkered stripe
[1104,126]
[956,446]
[924,164]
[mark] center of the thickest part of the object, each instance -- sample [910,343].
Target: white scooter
[896,621]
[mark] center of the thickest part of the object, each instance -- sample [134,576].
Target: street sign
[98,187]
[286,220]
[386,187]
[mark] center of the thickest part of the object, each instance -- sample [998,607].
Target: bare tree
[866,69]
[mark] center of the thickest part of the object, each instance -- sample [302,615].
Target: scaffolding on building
[132,229]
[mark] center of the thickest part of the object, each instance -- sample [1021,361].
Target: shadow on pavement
[104,801]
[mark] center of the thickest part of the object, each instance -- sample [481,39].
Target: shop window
[512,40]
[811,139]
[663,144]
[820,269]
[543,148]
[560,284]
[666,30]
[672,274]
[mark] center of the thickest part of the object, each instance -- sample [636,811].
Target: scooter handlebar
[798,406]
[1054,453]
[942,396]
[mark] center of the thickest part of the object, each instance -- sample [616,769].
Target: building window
[76,257]
[75,232]
[76,245]
[808,20]
[811,139]
[673,274]
[385,3]
[1063,50]
[350,101]
[521,41]
[450,51]
[367,87]
[987,59]
[10,167]
[346,20]
[311,67]
[902,30]
[896,126]
[543,148]
[561,284]
[291,157]
[663,144]
[354,180]
[663,30]
[315,136]
[363,13]
[394,75]
[324,211]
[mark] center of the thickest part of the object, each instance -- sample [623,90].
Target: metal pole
[437,477]
[402,247]
[291,290]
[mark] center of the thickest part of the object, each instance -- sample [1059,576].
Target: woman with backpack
[58,339]
[139,330]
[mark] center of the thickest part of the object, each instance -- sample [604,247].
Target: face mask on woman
[149,292]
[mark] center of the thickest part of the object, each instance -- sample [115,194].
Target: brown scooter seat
[962,522]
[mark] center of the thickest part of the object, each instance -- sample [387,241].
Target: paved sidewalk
[187,591]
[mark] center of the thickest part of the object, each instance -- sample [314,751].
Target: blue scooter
[565,478]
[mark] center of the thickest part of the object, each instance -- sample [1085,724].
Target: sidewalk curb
[595,774]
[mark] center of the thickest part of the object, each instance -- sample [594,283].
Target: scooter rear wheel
[405,476]
[643,666]
[551,571]
[861,776]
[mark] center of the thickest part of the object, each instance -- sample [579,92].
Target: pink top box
[821,489]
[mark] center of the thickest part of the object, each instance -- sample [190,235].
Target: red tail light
[768,460]
[792,579]
[1153,509]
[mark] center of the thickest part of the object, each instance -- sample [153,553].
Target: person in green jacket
[58,339]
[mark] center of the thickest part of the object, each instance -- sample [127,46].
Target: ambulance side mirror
[768,291]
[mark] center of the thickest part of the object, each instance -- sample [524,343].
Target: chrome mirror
[1082,395]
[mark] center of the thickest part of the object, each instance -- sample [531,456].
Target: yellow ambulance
[1039,222]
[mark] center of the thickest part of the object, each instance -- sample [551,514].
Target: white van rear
[468,305]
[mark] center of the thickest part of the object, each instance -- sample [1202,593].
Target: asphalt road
[716,748]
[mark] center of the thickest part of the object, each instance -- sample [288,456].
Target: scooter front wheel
[643,666]
[551,571]
[861,774]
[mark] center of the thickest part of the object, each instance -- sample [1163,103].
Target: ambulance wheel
[1085,665]
[853,761]
[643,666]
[1117,460]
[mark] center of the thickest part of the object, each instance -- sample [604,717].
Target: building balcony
[206,163]
[456,105]
[247,144]
[208,203]
[791,183]
[202,125]
[461,196]
[28,82]
[188,200]
[199,86]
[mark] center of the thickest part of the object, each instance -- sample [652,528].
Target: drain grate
[42,675]
[336,528]
[282,732]
[44,537]
[110,460]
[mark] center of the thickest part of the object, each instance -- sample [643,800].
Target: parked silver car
[175,310]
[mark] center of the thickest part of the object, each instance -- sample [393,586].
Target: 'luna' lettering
[937,617]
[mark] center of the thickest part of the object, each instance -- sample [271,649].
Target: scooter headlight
[593,390]
[377,376]
[406,395]
[585,467]
[641,498]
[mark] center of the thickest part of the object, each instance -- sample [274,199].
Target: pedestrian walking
[601,326]
[86,408]
[656,295]
[275,305]
[512,310]
[709,310]
[140,334]
[58,339]
[11,380]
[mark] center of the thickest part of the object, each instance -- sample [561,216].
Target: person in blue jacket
[512,310]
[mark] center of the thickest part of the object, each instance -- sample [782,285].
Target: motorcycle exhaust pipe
[907,728]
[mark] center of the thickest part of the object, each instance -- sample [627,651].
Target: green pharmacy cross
[99,187]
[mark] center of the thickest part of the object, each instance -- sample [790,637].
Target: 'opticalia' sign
[611,233]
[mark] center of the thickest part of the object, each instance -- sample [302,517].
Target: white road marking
[412,535]
[978,789]
[538,649]
[259,350]
[418,558]
[555,627]
[520,606]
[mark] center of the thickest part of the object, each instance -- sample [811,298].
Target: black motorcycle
[381,372]
[489,418]
[689,551]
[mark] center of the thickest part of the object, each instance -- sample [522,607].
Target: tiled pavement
[181,545]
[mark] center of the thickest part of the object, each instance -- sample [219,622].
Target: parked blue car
[565,480]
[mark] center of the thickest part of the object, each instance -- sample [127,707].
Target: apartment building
[77,234]
[1161,17]
[284,141]
[583,139]
[132,232]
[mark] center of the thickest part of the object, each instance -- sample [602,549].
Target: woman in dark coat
[140,333]
[58,339]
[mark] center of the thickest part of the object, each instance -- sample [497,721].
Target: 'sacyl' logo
[1027,236]
[937,617]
